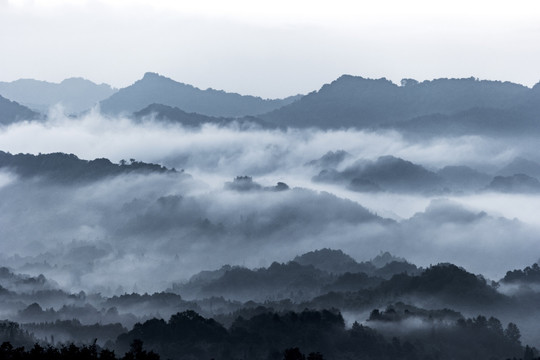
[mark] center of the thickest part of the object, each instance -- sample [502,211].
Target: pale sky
[269,48]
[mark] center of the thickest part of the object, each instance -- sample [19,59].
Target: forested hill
[352,101]
[73,94]
[156,89]
[11,111]
[164,113]
[68,168]
[401,312]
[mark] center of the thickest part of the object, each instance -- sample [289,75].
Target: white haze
[268,48]
[147,231]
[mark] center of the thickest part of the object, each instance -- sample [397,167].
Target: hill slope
[157,89]
[75,94]
[11,112]
[352,101]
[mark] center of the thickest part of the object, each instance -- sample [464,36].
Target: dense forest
[322,304]
[363,220]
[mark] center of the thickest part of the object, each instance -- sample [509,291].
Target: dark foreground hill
[369,318]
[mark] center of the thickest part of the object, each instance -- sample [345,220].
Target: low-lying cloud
[146,231]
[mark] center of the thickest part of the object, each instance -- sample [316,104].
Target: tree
[293,354]
[137,353]
[529,353]
[512,333]
[315,356]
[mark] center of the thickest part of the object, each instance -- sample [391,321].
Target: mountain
[74,94]
[246,183]
[11,112]
[521,166]
[308,275]
[330,160]
[477,121]
[386,173]
[333,261]
[171,114]
[68,168]
[156,89]
[278,281]
[518,183]
[352,101]
[463,178]
[529,275]
[446,281]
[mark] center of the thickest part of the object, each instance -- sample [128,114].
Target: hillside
[68,168]
[11,111]
[156,89]
[74,94]
[352,101]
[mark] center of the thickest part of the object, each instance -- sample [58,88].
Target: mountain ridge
[354,101]
[12,111]
[75,94]
[155,88]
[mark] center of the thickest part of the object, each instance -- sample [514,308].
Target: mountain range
[11,111]
[392,174]
[69,169]
[154,88]
[428,108]
[74,94]
[401,303]
[352,101]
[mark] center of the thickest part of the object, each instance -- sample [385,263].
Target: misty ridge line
[364,175]
[443,173]
[69,169]
[341,275]
[452,106]
[333,270]
[227,210]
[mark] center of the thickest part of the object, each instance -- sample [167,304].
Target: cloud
[139,228]
[270,49]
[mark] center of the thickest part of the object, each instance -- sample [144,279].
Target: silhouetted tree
[315,356]
[293,354]
[512,333]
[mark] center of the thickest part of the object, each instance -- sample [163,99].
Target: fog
[145,232]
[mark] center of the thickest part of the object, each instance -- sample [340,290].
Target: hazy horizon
[396,82]
[268,49]
[359,220]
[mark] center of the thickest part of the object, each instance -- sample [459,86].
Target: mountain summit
[156,89]
[352,101]
[74,94]
[11,111]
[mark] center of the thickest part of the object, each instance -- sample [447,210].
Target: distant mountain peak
[356,78]
[355,101]
[158,89]
[74,80]
[150,74]
[356,82]
[12,111]
[76,94]
[155,76]
[520,165]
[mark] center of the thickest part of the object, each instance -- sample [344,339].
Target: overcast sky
[269,48]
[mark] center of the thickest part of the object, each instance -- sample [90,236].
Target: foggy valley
[364,220]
